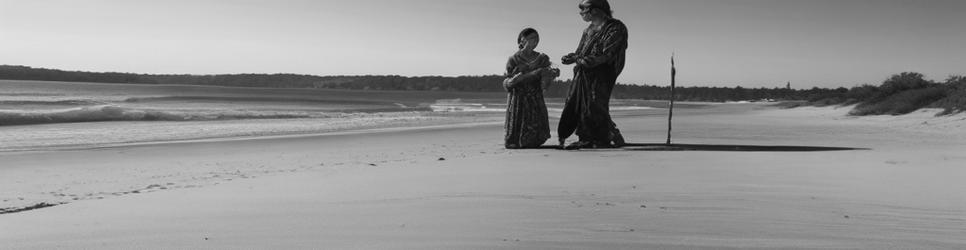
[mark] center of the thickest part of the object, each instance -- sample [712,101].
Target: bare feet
[579,145]
[618,139]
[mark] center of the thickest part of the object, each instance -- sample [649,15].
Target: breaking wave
[458,105]
[99,113]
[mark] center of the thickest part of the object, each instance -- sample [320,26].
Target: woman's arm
[544,76]
[537,70]
[513,81]
[511,74]
[572,57]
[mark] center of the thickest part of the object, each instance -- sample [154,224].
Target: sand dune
[454,187]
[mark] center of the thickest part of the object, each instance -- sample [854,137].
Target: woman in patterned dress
[528,73]
[599,59]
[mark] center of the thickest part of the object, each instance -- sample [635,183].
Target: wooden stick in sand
[671,104]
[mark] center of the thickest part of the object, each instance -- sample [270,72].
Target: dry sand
[454,187]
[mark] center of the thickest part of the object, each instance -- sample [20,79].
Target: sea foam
[99,113]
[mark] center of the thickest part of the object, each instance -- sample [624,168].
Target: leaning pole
[670,112]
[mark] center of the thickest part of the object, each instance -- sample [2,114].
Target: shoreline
[52,137]
[352,131]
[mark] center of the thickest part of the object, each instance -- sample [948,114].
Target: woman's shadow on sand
[718,147]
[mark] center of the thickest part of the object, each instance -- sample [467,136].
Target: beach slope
[454,187]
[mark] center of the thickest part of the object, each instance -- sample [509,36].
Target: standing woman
[599,60]
[528,72]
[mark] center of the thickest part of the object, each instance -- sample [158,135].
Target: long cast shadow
[720,147]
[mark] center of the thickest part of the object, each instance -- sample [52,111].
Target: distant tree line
[389,82]
[487,83]
[900,94]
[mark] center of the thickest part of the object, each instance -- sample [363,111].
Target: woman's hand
[569,59]
[509,82]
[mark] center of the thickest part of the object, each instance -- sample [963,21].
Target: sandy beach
[453,186]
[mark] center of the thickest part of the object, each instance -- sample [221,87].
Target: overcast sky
[752,43]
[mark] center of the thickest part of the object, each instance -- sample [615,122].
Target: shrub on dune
[899,83]
[861,93]
[901,103]
[900,94]
[955,100]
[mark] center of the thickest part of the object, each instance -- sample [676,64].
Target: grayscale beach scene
[544,124]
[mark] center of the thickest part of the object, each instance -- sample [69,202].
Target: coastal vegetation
[900,94]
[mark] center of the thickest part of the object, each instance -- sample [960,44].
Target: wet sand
[454,187]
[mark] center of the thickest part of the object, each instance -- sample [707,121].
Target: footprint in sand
[611,229]
[605,204]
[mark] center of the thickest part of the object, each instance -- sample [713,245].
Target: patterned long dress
[600,59]
[527,124]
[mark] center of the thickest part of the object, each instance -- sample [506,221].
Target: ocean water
[35,102]
[40,114]
[38,102]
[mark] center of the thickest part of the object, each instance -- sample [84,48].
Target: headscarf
[597,4]
[523,35]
